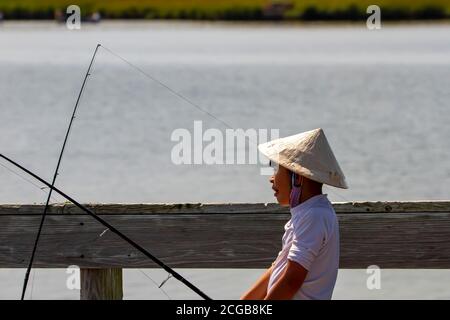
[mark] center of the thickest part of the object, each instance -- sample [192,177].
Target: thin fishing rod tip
[164,282]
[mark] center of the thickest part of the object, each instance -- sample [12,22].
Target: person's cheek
[287,190]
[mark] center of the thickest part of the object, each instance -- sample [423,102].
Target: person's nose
[272,179]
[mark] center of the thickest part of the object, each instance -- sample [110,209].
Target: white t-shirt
[311,239]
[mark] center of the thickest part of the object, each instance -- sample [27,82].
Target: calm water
[382,98]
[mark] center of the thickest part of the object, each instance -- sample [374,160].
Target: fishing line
[156,284]
[32,284]
[168,269]
[28,180]
[92,241]
[181,96]
[174,92]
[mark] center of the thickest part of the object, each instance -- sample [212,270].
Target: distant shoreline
[227,10]
[212,23]
[140,24]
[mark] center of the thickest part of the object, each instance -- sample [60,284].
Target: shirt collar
[302,207]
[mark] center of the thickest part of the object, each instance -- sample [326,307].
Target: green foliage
[230,9]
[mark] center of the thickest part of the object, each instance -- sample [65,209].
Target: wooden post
[101,284]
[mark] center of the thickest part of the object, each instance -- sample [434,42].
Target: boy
[307,265]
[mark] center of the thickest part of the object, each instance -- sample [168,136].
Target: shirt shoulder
[320,212]
[317,222]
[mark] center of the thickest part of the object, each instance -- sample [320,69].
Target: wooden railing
[386,234]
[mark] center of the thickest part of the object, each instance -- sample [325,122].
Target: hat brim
[269,149]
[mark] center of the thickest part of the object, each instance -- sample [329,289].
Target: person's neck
[307,194]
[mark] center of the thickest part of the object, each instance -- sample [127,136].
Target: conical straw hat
[307,154]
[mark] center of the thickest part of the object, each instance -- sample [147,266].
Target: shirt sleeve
[309,235]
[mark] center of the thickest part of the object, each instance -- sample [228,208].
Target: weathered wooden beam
[388,234]
[250,208]
[101,284]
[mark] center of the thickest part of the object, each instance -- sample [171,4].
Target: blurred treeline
[229,9]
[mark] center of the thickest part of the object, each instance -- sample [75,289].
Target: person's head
[282,181]
[309,155]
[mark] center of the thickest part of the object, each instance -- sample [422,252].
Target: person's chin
[282,202]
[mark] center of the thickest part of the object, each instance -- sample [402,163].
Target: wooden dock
[387,234]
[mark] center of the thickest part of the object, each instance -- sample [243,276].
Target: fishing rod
[175,274]
[44,214]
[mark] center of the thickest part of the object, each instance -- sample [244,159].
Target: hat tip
[318,131]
